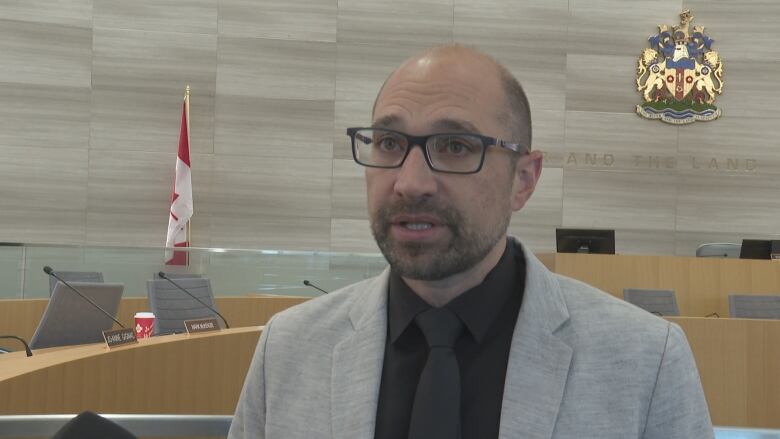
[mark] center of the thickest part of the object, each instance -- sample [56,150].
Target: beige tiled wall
[91,97]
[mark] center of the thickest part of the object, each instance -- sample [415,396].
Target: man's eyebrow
[389,121]
[455,125]
[440,126]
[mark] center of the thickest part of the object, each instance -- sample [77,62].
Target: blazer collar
[357,362]
[539,360]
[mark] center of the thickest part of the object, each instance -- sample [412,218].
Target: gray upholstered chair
[76,276]
[751,306]
[719,250]
[171,306]
[659,302]
[71,320]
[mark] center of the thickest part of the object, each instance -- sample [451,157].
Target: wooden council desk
[196,374]
[739,364]
[702,285]
[738,359]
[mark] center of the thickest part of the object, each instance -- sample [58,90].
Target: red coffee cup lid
[144,315]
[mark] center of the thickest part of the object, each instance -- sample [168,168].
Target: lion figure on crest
[712,66]
[655,69]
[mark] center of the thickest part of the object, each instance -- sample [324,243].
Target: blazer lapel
[357,365]
[538,361]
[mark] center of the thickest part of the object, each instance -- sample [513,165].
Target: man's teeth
[418,226]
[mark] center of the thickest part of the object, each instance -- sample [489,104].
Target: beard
[467,245]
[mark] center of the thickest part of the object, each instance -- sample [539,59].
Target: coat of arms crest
[679,75]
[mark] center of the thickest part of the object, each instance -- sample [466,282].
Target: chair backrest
[76,276]
[751,306]
[70,320]
[171,306]
[660,302]
[719,250]
[178,275]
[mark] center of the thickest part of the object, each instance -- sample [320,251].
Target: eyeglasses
[453,153]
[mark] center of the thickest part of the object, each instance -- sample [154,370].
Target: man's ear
[528,169]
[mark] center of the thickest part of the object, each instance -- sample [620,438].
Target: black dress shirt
[489,312]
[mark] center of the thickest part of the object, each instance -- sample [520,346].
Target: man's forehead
[475,72]
[446,90]
[441,125]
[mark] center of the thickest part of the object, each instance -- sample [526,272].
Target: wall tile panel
[191,16]
[619,141]
[43,194]
[77,13]
[276,69]
[311,20]
[44,116]
[528,37]
[352,235]
[619,200]
[273,127]
[271,186]
[349,190]
[603,83]
[728,203]
[617,27]
[45,54]
[426,22]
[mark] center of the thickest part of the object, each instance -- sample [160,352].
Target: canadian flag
[181,199]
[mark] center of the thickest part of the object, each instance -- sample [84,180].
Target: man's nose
[415,178]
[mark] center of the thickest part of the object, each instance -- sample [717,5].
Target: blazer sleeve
[249,419]
[678,408]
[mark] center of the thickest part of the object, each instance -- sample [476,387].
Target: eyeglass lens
[447,152]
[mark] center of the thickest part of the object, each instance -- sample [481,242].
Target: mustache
[446,215]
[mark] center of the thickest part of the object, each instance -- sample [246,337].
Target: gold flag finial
[187,90]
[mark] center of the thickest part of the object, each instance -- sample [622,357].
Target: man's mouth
[416,222]
[416,225]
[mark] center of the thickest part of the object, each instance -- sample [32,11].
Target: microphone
[163,276]
[51,273]
[309,284]
[26,346]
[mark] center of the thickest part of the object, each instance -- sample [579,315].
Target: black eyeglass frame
[422,142]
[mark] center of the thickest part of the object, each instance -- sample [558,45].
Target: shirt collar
[403,306]
[478,307]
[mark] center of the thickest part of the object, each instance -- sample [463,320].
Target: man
[466,335]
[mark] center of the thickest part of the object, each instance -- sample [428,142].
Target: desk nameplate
[119,337]
[201,325]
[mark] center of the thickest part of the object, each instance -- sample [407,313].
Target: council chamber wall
[92,95]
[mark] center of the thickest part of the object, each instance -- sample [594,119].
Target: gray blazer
[583,364]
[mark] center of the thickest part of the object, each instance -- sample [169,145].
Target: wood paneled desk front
[196,374]
[739,363]
[702,285]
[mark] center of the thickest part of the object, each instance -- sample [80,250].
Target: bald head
[482,75]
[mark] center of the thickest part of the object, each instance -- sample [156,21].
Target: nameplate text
[119,337]
[201,325]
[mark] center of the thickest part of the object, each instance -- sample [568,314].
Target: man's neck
[440,292]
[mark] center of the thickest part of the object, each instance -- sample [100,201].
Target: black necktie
[436,410]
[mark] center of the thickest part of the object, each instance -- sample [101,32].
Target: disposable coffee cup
[144,325]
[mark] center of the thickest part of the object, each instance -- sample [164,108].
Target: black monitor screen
[760,249]
[585,241]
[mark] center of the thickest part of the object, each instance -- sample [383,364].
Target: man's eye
[454,147]
[388,144]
